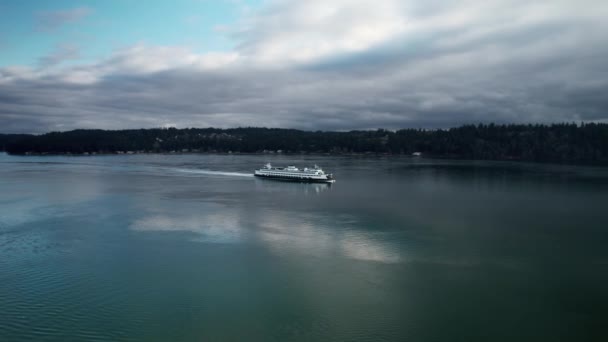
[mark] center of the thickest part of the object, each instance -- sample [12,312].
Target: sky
[313,65]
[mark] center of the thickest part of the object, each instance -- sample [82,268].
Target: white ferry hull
[296,179]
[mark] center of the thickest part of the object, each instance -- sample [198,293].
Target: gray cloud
[509,62]
[62,53]
[51,20]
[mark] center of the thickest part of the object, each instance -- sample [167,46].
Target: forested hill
[6,139]
[561,143]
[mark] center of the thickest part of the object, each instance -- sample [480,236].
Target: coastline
[327,154]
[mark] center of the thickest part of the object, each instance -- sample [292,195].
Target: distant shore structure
[292,173]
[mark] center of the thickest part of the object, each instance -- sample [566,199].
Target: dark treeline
[7,139]
[561,143]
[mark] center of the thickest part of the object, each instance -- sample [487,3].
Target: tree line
[560,143]
[9,139]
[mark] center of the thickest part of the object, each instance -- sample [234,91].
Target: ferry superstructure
[292,173]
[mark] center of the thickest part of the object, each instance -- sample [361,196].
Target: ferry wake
[292,173]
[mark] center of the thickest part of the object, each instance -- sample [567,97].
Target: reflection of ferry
[292,173]
[296,188]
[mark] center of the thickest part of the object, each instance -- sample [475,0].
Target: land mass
[557,143]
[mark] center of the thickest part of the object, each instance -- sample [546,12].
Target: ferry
[292,173]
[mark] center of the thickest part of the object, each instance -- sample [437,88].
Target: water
[192,248]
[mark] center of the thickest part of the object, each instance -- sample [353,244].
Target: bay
[194,248]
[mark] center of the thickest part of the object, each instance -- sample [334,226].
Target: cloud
[299,31]
[51,20]
[339,65]
[60,54]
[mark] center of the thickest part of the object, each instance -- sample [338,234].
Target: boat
[292,173]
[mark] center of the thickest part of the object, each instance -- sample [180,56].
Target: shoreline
[325,154]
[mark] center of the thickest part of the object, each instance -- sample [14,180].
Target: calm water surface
[193,248]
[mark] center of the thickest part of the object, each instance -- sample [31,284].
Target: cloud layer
[338,65]
[51,20]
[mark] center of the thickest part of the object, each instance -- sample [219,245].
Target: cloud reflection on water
[281,232]
[219,228]
[285,232]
